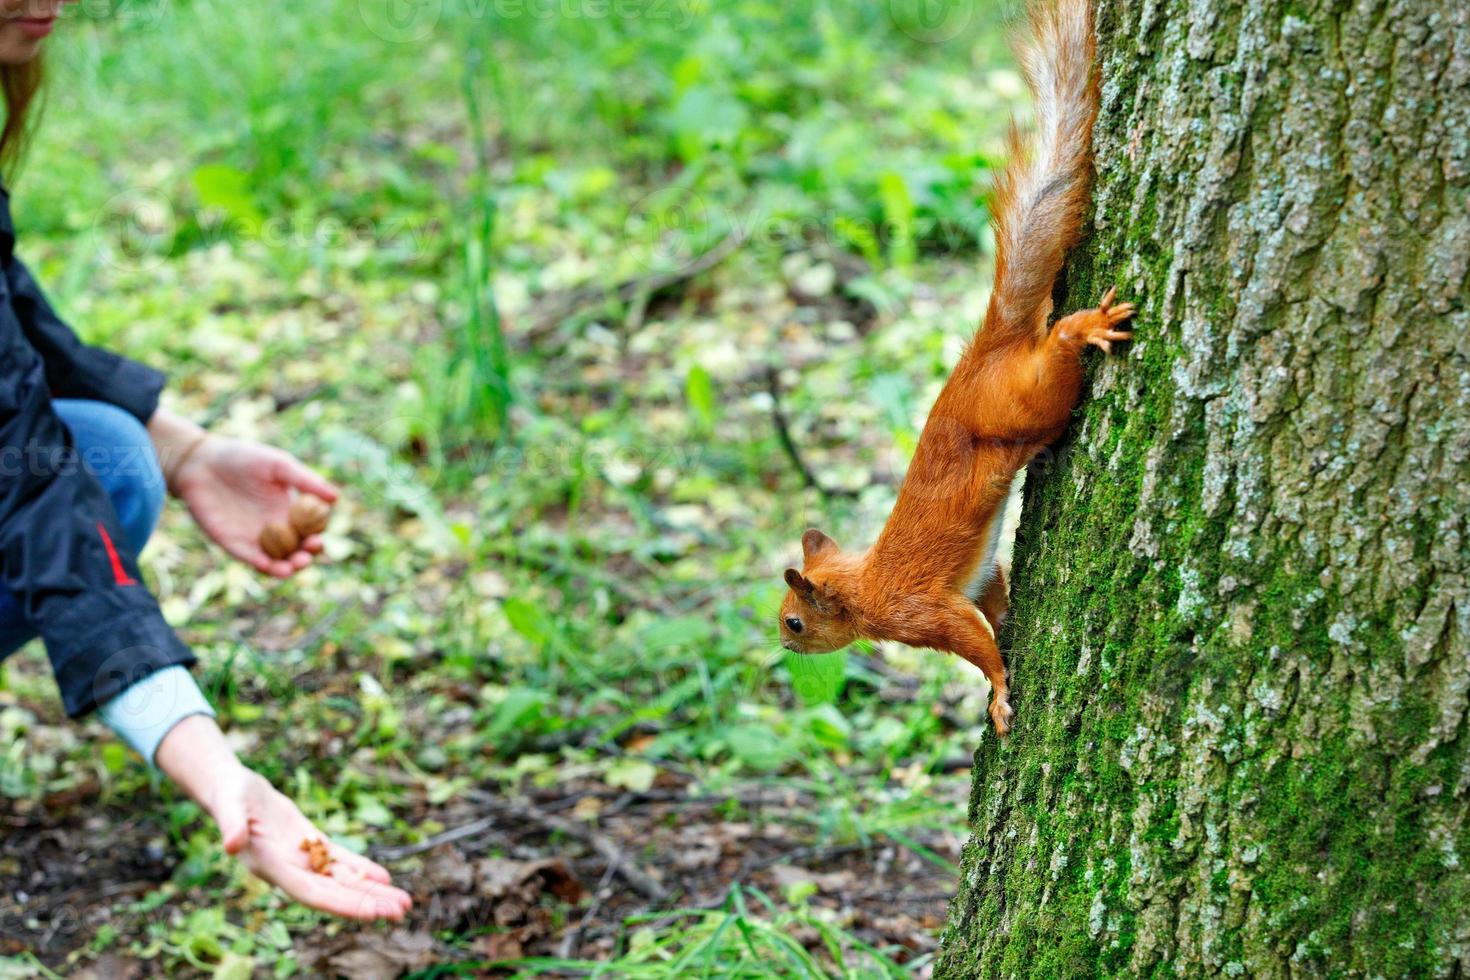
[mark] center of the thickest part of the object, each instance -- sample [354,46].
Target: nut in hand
[317,855]
[279,540]
[309,515]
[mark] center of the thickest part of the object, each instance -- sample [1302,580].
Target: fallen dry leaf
[110,966]
[830,882]
[508,945]
[372,956]
[502,893]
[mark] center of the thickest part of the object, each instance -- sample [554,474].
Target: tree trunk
[1240,641]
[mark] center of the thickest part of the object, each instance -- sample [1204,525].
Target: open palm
[265,830]
[235,488]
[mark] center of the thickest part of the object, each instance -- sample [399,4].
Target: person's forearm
[195,755]
[175,439]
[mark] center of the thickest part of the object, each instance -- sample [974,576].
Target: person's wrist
[192,461]
[195,755]
[226,789]
[177,442]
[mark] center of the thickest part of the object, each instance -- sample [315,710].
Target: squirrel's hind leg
[995,601]
[1098,327]
[1041,381]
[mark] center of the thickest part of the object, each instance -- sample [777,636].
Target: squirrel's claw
[1001,714]
[1104,338]
[1107,299]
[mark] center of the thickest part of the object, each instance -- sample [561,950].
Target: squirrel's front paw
[1001,714]
[1097,327]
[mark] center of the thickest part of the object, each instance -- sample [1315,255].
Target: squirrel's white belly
[985,569]
[1000,531]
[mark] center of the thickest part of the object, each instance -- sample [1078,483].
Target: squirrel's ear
[826,601]
[814,544]
[798,583]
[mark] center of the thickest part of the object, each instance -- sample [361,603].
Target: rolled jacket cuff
[135,388]
[148,710]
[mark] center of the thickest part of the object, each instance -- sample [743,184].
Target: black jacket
[59,551]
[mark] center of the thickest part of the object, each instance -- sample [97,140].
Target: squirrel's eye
[793,624]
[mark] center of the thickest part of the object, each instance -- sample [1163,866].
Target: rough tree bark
[1241,629]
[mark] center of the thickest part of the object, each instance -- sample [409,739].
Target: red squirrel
[931,579]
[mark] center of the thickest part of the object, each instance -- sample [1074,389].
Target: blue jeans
[114,447]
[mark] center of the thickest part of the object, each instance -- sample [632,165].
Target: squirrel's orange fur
[930,579]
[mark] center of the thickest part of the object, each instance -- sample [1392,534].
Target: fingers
[296,474]
[274,567]
[360,899]
[357,864]
[1108,298]
[234,829]
[251,554]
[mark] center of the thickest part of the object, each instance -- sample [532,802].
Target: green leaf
[634,774]
[245,712]
[861,237]
[527,619]
[703,118]
[758,747]
[234,966]
[227,188]
[686,632]
[817,678]
[114,757]
[105,936]
[442,791]
[797,892]
[276,933]
[828,726]
[518,710]
[898,214]
[699,388]
[370,810]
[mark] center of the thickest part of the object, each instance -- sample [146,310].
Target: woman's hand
[235,488]
[265,830]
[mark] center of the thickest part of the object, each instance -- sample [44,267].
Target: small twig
[472,829]
[876,665]
[610,852]
[292,399]
[783,432]
[323,626]
[569,942]
[545,563]
[642,289]
[812,854]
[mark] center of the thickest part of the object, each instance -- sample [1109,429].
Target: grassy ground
[539,285]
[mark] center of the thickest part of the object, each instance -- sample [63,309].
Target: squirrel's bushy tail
[1040,200]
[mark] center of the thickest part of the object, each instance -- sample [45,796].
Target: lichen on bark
[1240,635]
